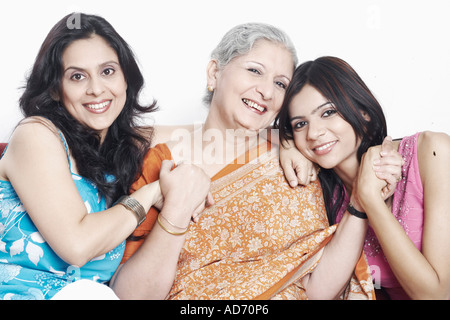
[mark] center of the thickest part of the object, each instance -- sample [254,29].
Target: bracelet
[169,231]
[173,225]
[134,206]
[355,212]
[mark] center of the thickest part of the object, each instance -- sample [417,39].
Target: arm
[337,264]
[46,188]
[341,254]
[150,272]
[426,274]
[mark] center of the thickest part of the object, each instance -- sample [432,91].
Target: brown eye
[108,71]
[77,77]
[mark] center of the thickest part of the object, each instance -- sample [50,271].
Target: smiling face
[250,89]
[93,84]
[320,133]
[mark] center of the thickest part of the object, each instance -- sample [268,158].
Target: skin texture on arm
[426,274]
[337,264]
[47,190]
[142,276]
[342,253]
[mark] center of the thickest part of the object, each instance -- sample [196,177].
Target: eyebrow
[101,65]
[313,112]
[263,66]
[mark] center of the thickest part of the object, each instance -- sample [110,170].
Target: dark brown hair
[339,83]
[125,145]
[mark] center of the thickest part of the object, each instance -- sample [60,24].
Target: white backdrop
[400,48]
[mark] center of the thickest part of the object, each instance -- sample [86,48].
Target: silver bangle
[134,206]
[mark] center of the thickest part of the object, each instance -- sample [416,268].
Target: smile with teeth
[254,105]
[325,146]
[98,106]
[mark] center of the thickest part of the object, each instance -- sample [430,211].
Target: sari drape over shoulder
[260,238]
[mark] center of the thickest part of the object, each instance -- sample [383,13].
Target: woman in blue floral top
[77,151]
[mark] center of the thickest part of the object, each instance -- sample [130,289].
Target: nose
[265,88]
[95,86]
[315,130]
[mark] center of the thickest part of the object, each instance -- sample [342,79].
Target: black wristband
[355,212]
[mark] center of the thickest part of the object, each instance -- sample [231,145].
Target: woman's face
[320,133]
[93,84]
[250,89]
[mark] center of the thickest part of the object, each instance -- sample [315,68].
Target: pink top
[408,209]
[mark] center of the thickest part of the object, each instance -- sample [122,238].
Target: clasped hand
[379,173]
[185,187]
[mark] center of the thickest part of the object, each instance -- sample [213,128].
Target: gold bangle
[168,231]
[173,225]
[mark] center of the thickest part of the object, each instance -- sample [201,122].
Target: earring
[210,89]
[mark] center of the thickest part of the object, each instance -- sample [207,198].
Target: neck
[232,140]
[348,172]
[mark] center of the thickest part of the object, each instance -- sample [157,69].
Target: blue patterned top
[29,268]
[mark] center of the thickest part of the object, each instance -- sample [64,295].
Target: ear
[212,71]
[366,116]
[54,95]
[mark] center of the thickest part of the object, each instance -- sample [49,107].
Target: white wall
[400,48]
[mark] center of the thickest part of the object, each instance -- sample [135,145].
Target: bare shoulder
[434,144]
[34,133]
[38,124]
[34,148]
[433,151]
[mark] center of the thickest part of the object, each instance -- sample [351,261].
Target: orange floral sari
[260,238]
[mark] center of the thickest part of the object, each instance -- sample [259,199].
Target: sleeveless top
[408,209]
[29,268]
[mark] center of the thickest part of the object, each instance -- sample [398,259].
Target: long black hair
[339,83]
[122,152]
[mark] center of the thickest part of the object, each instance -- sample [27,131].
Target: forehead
[308,99]
[271,55]
[87,52]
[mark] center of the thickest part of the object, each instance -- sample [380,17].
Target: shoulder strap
[67,148]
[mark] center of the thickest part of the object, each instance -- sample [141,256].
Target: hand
[209,201]
[368,186]
[159,199]
[186,188]
[297,169]
[388,167]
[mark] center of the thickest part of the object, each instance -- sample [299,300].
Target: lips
[98,107]
[254,105]
[324,148]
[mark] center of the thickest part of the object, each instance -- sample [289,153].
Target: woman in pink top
[334,121]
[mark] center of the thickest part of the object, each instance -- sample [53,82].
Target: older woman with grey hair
[261,239]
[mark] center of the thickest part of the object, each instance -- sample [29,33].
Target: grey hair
[240,40]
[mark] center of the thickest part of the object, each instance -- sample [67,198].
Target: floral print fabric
[259,239]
